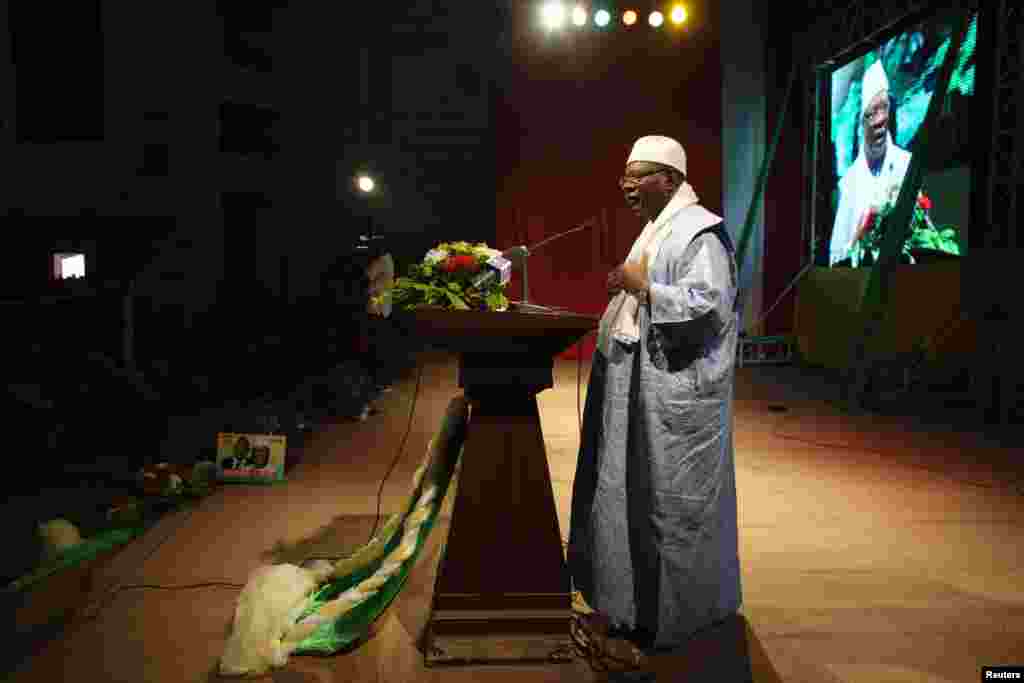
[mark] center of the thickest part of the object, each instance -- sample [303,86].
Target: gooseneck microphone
[521,254]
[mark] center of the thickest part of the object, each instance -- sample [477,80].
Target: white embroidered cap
[660,150]
[875,82]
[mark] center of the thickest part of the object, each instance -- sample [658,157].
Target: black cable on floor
[187,586]
[401,448]
[92,611]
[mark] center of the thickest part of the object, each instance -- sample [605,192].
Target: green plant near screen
[924,234]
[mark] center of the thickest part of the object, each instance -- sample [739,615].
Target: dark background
[203,158]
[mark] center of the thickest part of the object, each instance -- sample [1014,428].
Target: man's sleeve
[700,299]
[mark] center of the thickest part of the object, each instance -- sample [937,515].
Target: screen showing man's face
[876,123]
[879,102]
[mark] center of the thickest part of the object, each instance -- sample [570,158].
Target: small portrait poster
[250,458]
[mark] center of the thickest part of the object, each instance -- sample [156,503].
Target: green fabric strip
[84,551]
[353,626]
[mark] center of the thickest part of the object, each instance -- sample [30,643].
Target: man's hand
[634,275]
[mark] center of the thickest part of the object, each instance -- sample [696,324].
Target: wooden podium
[503,591]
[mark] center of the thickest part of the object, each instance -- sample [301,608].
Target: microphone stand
[522,255]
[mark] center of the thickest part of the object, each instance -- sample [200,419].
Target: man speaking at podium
[877,172]
[653,544]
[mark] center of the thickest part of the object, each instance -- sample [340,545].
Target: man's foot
[597,641]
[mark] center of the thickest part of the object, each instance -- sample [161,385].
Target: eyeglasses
[879,109]
[628,183]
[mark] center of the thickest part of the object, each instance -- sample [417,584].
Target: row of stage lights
[554,16]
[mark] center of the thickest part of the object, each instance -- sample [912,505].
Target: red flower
[923,202]
[463,262]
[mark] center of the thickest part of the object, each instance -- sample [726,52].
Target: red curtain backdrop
[568,113]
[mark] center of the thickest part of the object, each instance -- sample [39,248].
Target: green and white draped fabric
[329,607]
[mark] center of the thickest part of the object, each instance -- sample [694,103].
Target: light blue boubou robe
[653,541]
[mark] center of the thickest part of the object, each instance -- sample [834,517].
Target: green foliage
[923,235]
[497,300]
[941,239]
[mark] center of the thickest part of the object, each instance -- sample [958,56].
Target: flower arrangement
[448,277]
[924,234]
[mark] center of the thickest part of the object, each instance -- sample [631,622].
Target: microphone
[521,254]
[495,268]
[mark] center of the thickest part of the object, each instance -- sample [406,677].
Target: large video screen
[878,104]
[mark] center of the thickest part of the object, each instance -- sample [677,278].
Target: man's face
[876,124]
[646,187]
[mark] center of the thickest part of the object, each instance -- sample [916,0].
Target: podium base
[503,639]
[503,590]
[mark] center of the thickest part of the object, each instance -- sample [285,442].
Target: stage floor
[873,549]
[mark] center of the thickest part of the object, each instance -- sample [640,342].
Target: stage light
[656,19]
[553,15]
[602,17]
[678,14]
[579,15]
[629,18]
[365,183]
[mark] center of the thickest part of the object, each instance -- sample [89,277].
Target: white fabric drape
[622,325]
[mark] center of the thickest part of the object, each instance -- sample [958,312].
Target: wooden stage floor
[873,549]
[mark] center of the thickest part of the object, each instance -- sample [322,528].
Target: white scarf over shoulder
[620,318]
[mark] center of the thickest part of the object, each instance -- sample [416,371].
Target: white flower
[435,256]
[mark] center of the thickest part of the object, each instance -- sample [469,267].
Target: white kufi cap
[874,83]
[660,150]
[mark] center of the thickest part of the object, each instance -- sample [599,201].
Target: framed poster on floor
[250,458]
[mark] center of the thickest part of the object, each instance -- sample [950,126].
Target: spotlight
[678,14]
[656,19]
[629,18]
[579,15]
[553,15]
[365,183]
[602,17]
